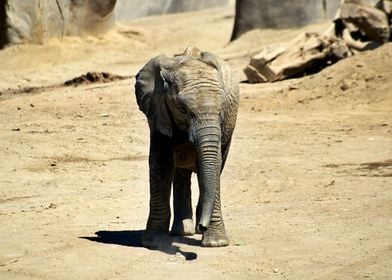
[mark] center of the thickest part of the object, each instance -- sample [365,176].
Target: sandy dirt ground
[306,192]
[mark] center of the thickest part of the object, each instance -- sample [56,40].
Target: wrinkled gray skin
[191,103]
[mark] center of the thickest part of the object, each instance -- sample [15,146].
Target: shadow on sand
[132,238]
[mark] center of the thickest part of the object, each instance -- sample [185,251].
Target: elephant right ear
[150,94]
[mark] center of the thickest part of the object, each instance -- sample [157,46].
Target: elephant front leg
[182,202]
[215,235]
[161,175]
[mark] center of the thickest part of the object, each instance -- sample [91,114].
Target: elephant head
[186,93]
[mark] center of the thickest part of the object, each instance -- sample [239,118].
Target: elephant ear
[229,82]
[192,51]
[150,94]
[212,60]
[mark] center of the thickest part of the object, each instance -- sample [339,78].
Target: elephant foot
[153,239]
[183,228]
[215,237]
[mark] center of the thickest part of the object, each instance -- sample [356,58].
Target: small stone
[370,78]
[344,86]
[240,243]
[275,270]
[52,206]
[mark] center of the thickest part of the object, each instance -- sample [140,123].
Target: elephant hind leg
[182,202]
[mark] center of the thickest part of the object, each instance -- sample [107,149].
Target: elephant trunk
[206,136]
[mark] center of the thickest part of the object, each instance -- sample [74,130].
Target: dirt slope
[306,191]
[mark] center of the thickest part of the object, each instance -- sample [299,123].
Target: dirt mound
[85,79]
[95,77]
[362,79]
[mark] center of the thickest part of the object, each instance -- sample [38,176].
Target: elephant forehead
[197,97]
[197,70]
[199,85]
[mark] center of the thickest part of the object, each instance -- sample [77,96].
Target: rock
[251,14]
[369,20]
[344,86]
[38,20]
[94,77]
[304,54]
[358,26]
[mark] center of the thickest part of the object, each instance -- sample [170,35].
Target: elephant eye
[183,110]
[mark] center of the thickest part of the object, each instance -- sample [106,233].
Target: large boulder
[37,20]
[3,24]
[251,14]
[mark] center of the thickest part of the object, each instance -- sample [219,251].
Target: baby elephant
[191,102]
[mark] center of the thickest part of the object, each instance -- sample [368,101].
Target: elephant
[191,104]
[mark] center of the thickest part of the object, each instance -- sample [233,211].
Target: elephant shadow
[133,238]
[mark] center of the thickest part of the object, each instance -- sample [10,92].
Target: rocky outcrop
[3,24]
[359,25]
[251,14]
[37,20]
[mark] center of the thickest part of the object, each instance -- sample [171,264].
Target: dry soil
[306,192]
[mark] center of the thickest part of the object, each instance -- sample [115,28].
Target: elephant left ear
[150,94]
[230,85]
[211,59]
[192,51]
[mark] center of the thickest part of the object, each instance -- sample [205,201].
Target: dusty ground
[307,190]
